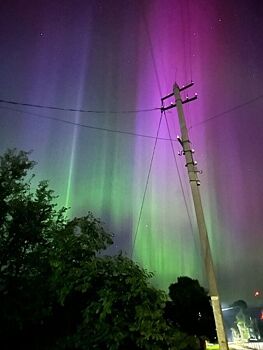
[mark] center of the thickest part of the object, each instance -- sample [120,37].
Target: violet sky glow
[120,55]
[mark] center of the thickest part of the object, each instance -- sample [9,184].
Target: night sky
[124,55]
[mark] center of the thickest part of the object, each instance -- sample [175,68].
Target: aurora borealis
[124,55]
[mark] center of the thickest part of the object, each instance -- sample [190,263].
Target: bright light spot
[257,293]
[227,308]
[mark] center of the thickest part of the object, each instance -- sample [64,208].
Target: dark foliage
[190,309]
[57,290]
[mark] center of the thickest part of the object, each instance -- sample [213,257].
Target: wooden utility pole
[194,183]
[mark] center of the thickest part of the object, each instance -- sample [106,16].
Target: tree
[190,310]
[27,222]
[123,311]
[34,238]
[57,289]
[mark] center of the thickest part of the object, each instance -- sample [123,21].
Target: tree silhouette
[190,310]
[57,289]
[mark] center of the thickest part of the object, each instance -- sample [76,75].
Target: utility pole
[195,183]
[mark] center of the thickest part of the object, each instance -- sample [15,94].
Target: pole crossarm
[172,105]
[180,89]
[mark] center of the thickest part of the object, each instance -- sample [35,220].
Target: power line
[78,110]
[85,125]
[146,185]
[158,129]
[221,114]
[151,49]
[120,112]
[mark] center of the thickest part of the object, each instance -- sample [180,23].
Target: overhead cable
[221,114]
[85,125]
[146,186]
[78,110]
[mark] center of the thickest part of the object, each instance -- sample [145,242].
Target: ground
[235,346]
